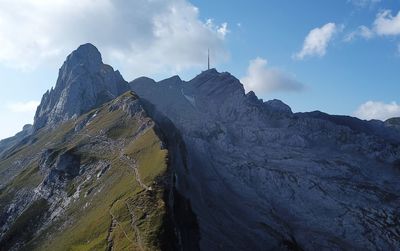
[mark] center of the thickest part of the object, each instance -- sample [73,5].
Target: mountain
[260,177]
[83,83]
[193,165]
[92,173]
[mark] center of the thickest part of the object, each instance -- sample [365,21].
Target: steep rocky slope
[260,177]
[93,174]
[90,184]
[84,83]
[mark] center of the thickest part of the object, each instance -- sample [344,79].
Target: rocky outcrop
[259,177]
[84,83]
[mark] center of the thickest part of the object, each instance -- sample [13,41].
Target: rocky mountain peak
[84,82]
[86,55]
[218,85]
[278,106]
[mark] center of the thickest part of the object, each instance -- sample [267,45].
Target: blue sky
[349,74]
[340,57]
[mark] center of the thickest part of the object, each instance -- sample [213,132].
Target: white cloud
[387,24]
[378,110]
[143,37]
[363,3]
[362,31]
[263,79]
[223,29]
[23,107]
[317,41]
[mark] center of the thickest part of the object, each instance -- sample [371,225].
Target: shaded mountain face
[259,177]
[84,83]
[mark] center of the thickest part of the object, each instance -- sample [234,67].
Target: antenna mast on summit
[208,58]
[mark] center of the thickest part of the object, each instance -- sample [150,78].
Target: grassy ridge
[113,209]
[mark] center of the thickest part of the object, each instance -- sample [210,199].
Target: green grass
[150,210]
[152,160]
[86,222]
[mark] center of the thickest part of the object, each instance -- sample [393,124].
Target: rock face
[84,83]
[259,177]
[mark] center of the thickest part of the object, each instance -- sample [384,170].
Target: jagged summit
[84,82]
[87,55]
[209,85]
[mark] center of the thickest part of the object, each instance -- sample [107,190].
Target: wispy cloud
[263,79]
[23,107]
[317,41]
[142,37]
[364,3]
[386,24]
[222,29]
[378,110]
[362,31]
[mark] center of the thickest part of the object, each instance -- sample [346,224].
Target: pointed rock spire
[84,82]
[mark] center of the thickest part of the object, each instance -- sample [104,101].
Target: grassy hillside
[115,201]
